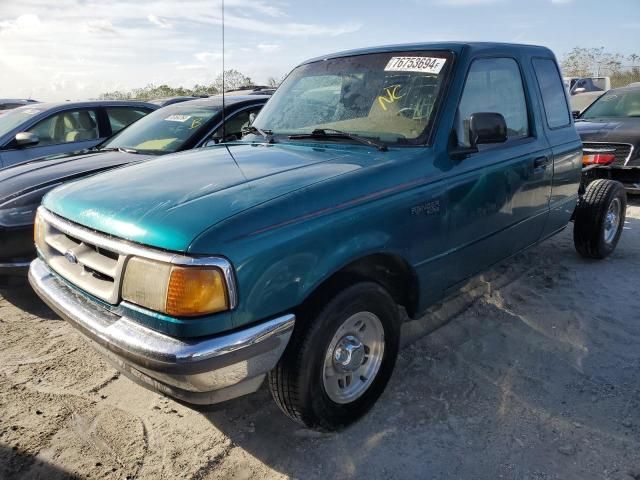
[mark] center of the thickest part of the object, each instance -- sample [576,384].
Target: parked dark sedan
[165,101]
[40,129]
[183,126]
[610,133]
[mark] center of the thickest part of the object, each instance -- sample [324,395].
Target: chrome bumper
[201,370]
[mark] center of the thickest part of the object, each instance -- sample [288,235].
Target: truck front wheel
[599,218]
[339,359]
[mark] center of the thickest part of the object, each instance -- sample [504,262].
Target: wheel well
[391,272]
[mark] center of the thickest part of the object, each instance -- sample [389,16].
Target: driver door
[499,197]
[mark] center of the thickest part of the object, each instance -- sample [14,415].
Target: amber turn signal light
[196,291]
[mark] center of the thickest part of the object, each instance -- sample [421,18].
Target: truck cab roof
[456,47]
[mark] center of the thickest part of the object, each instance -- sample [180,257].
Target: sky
[75,49]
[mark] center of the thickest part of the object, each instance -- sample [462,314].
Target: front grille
[96,270]
[94,262]
[622,151]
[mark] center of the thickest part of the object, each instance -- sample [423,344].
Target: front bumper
[201,370]
[628,176]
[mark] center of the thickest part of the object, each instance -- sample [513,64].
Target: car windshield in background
[164,131]
[615,104]
[391,97]
[15,117]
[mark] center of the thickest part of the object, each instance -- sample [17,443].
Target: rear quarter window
[552,91]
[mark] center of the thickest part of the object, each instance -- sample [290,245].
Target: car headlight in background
[17,216]
[181,291]
[21,211]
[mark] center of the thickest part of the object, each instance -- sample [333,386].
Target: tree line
[233,80]
[597,62]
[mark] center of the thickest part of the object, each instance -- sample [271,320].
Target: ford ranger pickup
[371,185]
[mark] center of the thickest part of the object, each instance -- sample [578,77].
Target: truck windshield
[390,97]
[615,104]
[164,131]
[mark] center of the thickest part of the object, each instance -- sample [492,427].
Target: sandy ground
[534,373]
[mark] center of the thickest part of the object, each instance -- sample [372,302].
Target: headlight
[181,291]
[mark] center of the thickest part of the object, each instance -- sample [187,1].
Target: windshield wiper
[332,132]
[267,134]
[119,149]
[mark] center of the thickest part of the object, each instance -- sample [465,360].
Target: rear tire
[339,359]
[599,219]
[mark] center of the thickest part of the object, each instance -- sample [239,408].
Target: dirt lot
[534,374]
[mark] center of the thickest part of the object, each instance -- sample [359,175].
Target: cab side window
[493,85]
[234,125]
[121,117]
[67,127]
[552,90]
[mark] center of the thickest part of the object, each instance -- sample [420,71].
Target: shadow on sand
[18,292]
[15,463]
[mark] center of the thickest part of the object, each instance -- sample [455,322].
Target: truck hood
[168,202]
[625,130]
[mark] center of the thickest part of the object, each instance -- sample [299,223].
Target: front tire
[599,219]
[339,358]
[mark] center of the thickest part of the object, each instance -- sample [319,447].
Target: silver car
[42,129]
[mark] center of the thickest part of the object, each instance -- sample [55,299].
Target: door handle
[541,162]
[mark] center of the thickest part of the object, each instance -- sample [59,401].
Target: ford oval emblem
[71,257]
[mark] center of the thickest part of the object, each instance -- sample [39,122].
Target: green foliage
[152,91]
[621,79]
[233,80]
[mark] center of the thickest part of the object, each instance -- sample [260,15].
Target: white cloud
[80,48]
[159,22]
[22,23]
[268,47]
[100,26]
[206,57]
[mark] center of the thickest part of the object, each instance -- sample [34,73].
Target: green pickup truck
[372,184]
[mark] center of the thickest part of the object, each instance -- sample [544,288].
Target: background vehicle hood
[625,130]
[168,202]
[25,178]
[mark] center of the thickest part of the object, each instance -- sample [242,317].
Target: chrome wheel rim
[353,357]
[612,221]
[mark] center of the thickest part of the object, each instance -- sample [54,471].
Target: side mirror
[252,117]
[575,113]
[26,139]
[578,90]
[487,127]
[484,128]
